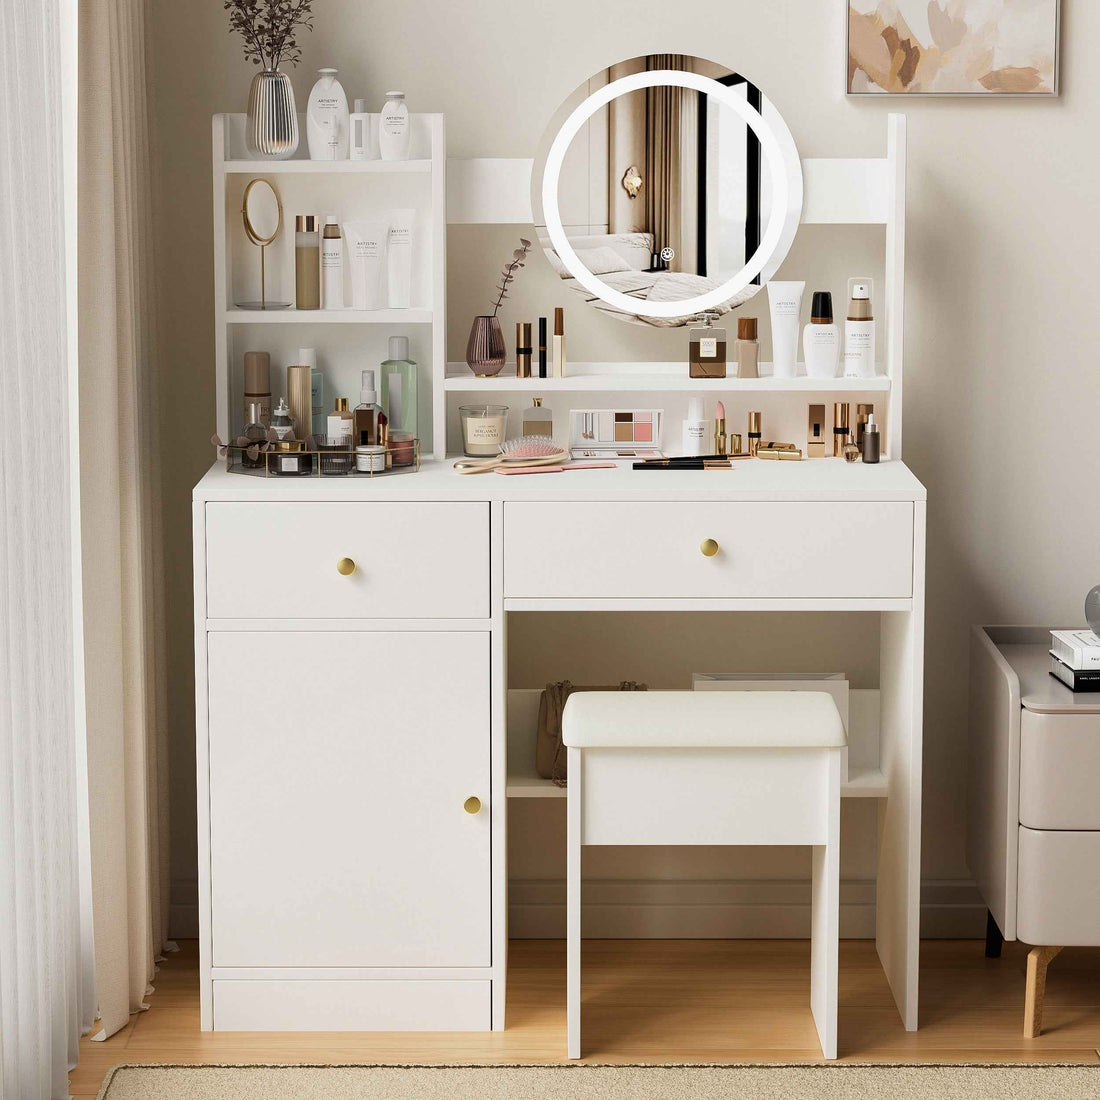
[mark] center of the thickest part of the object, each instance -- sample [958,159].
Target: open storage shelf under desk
[865,777]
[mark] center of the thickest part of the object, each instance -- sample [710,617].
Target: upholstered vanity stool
[681,767]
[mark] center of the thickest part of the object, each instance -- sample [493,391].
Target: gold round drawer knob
[345,567]
[472,805]
[708,548]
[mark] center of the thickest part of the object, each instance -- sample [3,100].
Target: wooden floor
[672,1000]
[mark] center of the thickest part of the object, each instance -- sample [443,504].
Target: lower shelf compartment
[289,1004]
[865,778]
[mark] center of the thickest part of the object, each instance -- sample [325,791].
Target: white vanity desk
[344,720]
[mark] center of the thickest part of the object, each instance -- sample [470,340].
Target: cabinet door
[339,765]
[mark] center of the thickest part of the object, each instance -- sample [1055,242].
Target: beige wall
[1002,393]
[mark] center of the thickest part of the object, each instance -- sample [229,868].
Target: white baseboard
[749,909]
[691,909]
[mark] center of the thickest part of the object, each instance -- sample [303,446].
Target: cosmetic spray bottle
[697,431]
[307,262]
[859,331]
[871,443]
[748,348]
[332,265]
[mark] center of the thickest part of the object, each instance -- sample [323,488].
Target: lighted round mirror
[666,186]
[262,210]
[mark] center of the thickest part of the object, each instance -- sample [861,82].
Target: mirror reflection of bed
[663,193]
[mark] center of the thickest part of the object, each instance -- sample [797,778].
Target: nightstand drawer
[1059,771]
[776,550]
[1058,898]
[347,559]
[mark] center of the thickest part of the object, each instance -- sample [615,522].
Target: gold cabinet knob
[472,805]
[345,567]
[708,548]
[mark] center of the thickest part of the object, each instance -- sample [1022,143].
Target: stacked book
[1075,659]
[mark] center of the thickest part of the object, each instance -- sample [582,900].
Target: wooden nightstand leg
[1038,959]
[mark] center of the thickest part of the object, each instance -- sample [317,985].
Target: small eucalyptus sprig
[508,273]
[269,28]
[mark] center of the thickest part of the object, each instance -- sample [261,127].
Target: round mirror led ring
[786,180]
[249,228]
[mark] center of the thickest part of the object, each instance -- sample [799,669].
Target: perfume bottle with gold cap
[707,348]
[538,420]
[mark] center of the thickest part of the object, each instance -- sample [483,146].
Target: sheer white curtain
[46,997]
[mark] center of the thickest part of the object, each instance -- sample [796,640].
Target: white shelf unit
[837,191]
[655,377]
[352,190]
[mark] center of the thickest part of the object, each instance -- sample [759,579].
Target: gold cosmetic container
[733,443]
[779,452]
[524,349]
[756,426]
[815,432]
[841,429]
[862,413]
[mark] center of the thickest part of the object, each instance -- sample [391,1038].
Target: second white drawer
[401,560]
[655,550]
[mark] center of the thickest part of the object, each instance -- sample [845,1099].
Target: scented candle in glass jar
[483,429]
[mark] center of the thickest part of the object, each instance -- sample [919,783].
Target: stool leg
[573,905]
[825,927]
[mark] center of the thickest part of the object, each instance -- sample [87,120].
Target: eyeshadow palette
[615,433]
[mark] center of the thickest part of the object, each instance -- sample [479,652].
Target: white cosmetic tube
[785,299]
[367,258]
[399,258]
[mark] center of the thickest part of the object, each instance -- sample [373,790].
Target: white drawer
[412,560]
[767,549]
[1058,898]
[278,1004]
[1060,771]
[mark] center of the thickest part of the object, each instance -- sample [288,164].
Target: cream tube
[399,258]
[786,308]
[366,255]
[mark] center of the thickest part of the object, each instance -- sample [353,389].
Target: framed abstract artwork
[953,47]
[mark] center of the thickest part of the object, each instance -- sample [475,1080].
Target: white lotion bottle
[332,265]
[821,338]
[785,299]
[697,432]
[393,128]
[327,118]
[859,331]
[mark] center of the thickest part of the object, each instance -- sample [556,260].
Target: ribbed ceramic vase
[485,351]
[271,127]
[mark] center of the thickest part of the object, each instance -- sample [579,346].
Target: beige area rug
[588,1082]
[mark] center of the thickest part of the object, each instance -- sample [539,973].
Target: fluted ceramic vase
[271,127]
[485,351]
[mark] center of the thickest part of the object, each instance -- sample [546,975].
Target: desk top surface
[819,479]
[1027,651]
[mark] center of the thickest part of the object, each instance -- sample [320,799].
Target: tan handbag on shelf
[550,753]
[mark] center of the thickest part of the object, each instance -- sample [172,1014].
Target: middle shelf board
[328,316]
[589,378]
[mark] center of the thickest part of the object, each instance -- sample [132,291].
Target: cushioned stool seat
[732,767]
